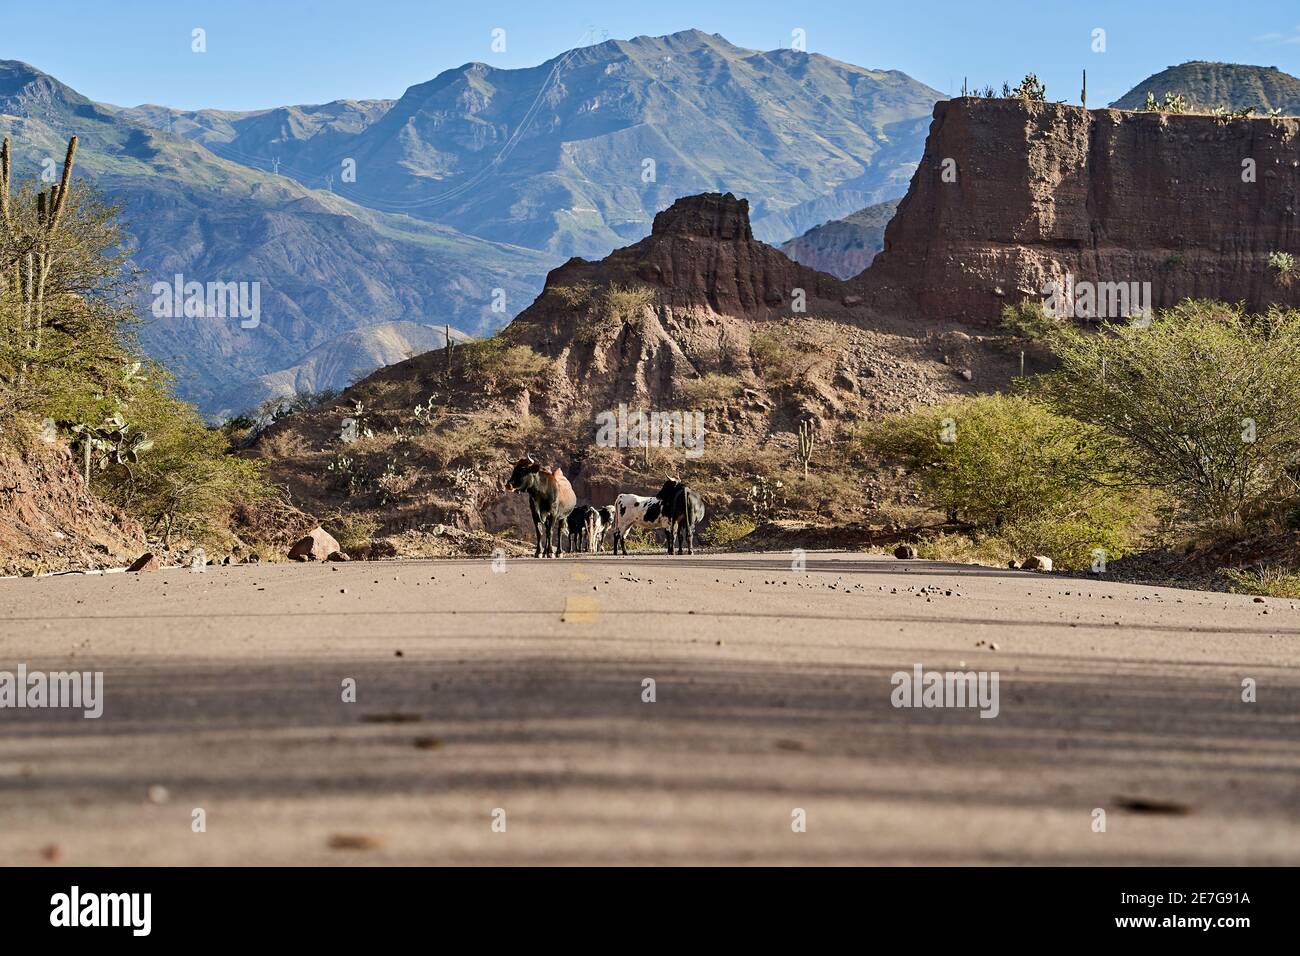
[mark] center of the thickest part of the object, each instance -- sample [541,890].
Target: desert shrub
[396,482]
[185,483]
[1275,582]
[784,354]
[1026,321]
[641,539]
[1203,404]
[1015,471]
[959,548]
[729,529]
[285,406]
[496,366]
[352,531]
[1283,265]
[609,311]
[456,443]
[576,296]
[830,491]
[723,356]
[707,389]
[626,301]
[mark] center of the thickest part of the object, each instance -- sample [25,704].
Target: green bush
[353,532]
[729,529]
[186,483]
[1202,404]
[1026,321]
[1017,472]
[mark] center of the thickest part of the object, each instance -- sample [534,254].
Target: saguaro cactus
[806,437]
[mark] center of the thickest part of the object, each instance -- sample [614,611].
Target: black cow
[684,509]
[550,498]
[584,527]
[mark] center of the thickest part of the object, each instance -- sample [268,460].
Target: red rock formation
[1044,189]
[702,253]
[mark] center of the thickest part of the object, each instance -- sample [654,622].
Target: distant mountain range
[843,247]
[1207,85]
[558,157]
[479,180]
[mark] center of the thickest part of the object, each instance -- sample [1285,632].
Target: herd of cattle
[557,514]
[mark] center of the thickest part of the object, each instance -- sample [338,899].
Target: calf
[584,528]
[550,498]
[683,508]
[606,515]
[634,511]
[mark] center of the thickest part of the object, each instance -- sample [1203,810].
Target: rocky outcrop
[1044,191]
[701,253]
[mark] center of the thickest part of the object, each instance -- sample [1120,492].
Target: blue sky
[278,52]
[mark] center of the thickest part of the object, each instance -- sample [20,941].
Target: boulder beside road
[317,545]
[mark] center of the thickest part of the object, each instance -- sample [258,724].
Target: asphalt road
[518,696]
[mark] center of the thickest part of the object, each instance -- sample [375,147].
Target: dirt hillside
[697,317]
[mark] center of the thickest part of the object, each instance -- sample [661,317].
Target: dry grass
[708,389]
[1277,582]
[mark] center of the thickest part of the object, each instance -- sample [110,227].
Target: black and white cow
[683,508]
[634,511]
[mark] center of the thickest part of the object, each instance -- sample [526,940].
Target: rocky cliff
[1036,192]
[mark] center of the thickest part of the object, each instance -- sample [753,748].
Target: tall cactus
[50,215]
[4,182]
[806,438]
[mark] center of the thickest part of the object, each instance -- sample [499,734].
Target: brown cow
[550,498]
